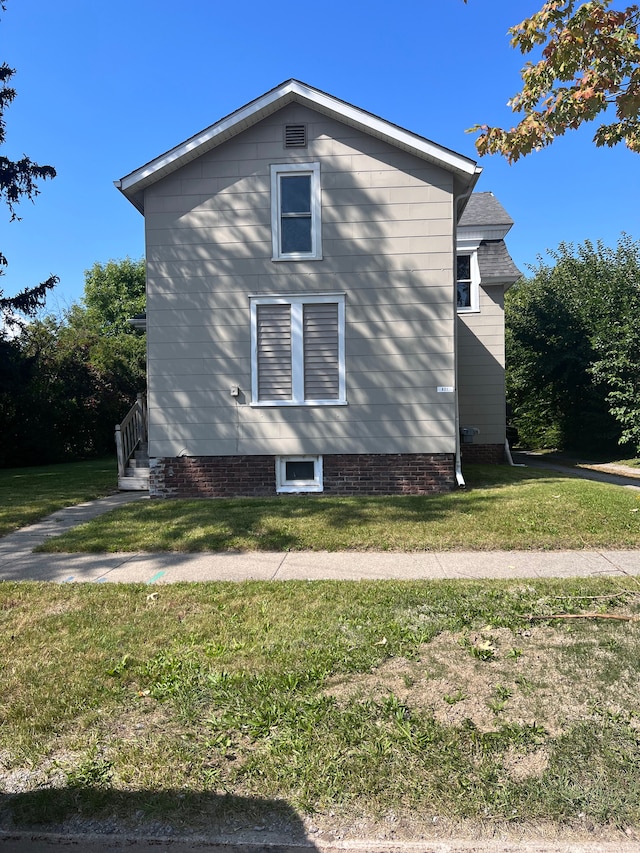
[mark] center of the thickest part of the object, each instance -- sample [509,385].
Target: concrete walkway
[604,472]
[19,563]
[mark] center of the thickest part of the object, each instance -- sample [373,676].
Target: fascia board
[133,184]
[467,244]
[383,129]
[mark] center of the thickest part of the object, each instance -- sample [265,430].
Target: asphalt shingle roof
[485,209]
[495,262]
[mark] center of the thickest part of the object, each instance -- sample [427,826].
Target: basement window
[298,474]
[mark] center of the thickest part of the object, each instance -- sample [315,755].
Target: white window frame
[474,290]
[284,486]
[297,348]
[277,171]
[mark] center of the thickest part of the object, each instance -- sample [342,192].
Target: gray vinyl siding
[481,367]
[387,244]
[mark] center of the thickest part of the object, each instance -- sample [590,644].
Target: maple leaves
[589,64]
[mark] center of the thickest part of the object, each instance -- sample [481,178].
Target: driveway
[607,472]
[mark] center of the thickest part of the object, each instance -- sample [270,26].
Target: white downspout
[507,454]
[509,457]
[458,462]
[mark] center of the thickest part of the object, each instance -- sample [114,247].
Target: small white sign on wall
[445,389]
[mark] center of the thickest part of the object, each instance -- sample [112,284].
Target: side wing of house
[485,271]
[300,311]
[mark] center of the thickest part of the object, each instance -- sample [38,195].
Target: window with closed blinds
[321,352]
[274,352]
[298,350]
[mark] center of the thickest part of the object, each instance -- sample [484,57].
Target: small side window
[467,283]
[298,474]
[463,281]
[295,212]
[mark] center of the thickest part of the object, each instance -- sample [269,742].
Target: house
[324,305]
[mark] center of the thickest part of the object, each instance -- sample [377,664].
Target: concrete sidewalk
[318,565]
[19,563]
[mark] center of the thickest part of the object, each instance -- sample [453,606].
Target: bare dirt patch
[542,676]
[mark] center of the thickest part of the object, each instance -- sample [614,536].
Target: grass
[197,705]
[29,494]
[502,508]
[629,463]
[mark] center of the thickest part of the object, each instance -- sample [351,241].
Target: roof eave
[496,231]
[506,280]
[465,170]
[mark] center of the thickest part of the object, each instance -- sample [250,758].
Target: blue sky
[105,87]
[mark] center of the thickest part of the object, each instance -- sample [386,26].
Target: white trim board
[133,185]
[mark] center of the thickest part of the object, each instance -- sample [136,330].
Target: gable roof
[465,171]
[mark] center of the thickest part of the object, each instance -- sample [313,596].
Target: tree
[66,382]
[589,64]
[18,180]
[573,346]
[113,293]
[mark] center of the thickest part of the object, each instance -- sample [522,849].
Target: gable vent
[295,136]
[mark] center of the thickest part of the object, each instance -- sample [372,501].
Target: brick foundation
[485,454]
[254,476]
[388,474]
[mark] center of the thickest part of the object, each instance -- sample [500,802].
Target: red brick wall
[487,454]
[254,476]
[388,474]
[212,476]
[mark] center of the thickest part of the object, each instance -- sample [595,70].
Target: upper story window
[295,212]
[297,346]
[467,283]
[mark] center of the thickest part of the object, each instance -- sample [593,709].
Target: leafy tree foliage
[18,180]
[113,293]
[573,348]
[589,64]
[65,383]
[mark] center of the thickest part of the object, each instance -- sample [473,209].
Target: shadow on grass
[307,522]
[153,814]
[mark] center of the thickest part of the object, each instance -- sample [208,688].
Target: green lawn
[29,494]
[370,706]
[502,508]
